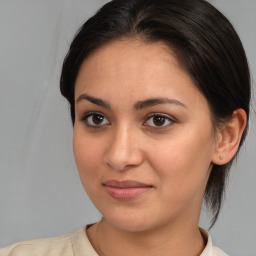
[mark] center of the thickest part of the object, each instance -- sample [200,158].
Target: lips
[125,190]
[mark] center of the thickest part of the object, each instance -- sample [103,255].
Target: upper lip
[125,184]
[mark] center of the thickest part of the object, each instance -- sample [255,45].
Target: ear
[229,137]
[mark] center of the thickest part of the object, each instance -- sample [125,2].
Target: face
[143,136]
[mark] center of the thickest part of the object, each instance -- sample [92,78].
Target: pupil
[97,119]
[159,120]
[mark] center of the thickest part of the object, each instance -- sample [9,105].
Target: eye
[158,120]
[95,120]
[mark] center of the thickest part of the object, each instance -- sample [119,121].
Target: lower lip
[125,194]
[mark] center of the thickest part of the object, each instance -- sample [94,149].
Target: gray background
[40,192]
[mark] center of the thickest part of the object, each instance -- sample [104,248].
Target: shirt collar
[209,247]
[81,243]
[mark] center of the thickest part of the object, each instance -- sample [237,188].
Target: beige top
[75,244]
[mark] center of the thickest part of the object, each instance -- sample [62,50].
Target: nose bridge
[123,148]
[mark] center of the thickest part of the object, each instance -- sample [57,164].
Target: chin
[129,226]
[131,222]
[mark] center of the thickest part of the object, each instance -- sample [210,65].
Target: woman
[159,94]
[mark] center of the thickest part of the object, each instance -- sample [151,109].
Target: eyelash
[153,115]
[91,114]
[161,115]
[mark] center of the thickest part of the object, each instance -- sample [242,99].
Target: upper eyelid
[87,114]
[161,114]
[149,115]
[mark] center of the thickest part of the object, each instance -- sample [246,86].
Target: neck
[167,240]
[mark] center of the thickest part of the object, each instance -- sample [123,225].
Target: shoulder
[71,244]
[218,252]
[60,245]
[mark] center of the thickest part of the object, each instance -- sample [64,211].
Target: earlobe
[229,137]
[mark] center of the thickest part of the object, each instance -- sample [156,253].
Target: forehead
[120,56]
[136,69]
[131,52]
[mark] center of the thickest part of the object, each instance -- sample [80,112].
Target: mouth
[126,190]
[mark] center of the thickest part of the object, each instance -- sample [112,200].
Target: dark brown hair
[204,42]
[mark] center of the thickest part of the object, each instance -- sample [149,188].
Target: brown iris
[97,119]
[159,120]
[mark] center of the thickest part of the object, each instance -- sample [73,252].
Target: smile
[125,190]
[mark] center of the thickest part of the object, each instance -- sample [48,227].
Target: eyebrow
[138,105]
[93,100]
[156,101]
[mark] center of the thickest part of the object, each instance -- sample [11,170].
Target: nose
[124,151]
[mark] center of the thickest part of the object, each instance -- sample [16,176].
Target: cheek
[183,164]
[87,154]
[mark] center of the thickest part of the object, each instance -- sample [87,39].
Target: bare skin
[144,145]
